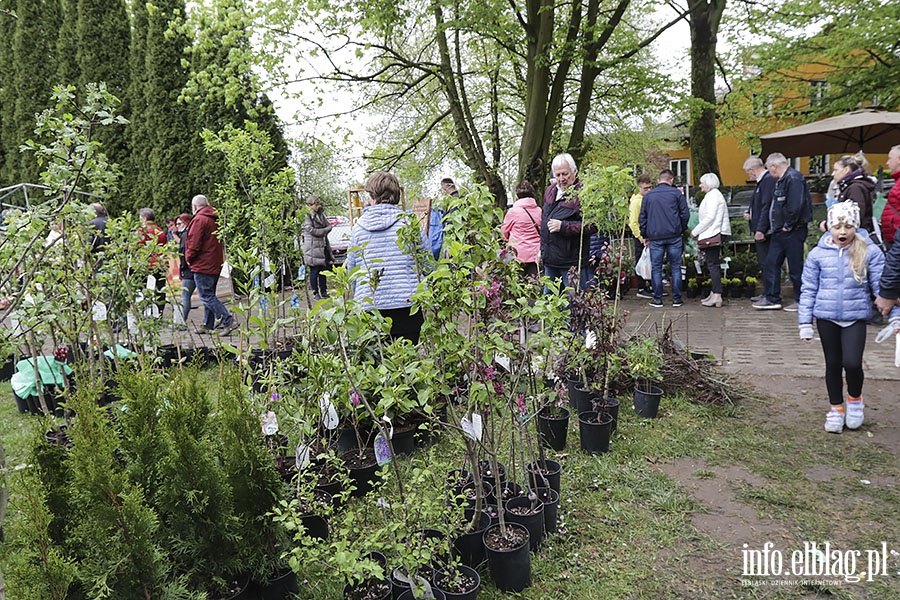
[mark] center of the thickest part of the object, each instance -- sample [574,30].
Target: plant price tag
[98,311]
[502,360]
[269,423]
[590,339]
[329,412]
[472,426]
[269,281]
[301,455]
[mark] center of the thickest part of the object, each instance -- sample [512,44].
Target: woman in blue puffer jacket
[392,276]
[840,276]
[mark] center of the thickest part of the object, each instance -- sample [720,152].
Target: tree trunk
[705,16]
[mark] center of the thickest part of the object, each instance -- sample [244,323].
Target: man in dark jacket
[664,217]
[789,215]
[204,253]
[562,244]
[758,211]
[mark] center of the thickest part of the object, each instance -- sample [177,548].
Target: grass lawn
[667,512]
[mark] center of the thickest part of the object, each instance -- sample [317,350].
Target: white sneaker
[855,414]
[834,421]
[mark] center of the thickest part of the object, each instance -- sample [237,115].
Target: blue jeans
[672,247]
[562,274]
[784,245]
[215,312]
[187,289]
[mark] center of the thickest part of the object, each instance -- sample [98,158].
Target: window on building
[818,165]
[682,169]
[817,89]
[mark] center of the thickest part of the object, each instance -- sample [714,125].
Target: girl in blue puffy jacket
[840,276]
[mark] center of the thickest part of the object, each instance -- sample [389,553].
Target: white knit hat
[844,212]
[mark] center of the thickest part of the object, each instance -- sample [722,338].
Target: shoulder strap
[533,222]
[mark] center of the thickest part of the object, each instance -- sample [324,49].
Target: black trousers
[843,348]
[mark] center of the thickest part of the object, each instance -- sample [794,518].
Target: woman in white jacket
[713,214]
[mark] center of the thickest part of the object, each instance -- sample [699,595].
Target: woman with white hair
[712,234]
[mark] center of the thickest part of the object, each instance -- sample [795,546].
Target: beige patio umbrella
[871,130]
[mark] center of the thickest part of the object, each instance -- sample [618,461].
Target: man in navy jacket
[663,219]
[758,212]
[789,216]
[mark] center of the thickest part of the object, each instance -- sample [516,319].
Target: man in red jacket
[204,254]
[890,218]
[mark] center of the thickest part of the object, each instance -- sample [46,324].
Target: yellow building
[758,115]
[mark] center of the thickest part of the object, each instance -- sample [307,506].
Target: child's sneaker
[855,413]
[834,421]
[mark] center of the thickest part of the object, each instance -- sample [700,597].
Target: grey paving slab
[751,341]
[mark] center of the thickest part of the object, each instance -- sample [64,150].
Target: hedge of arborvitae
[146,58]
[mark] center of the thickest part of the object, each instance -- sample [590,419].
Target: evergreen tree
[136,180]
[103,37]
[165,118]
[67,72]
[222,89]
[7,97]
[37,26]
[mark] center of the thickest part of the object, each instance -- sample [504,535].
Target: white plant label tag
[266,265]
[329,412]
[472,426]
[698,267]
[268,281]
[301,455]
[590,339]
[502,360]
[98,311]
[131,323]
[151,283]
[269,423]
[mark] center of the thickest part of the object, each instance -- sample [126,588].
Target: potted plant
[751,282]
[693,287]
[643,359]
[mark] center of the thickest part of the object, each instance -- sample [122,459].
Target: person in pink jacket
[522,228]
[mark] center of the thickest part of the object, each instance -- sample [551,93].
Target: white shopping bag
[643,268]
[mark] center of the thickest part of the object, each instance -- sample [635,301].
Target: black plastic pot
[457,479]
[646,401]
[550,498]
[404,442]
[21,404]
[469,547]
[594,432]
[469,493]
[610,406]
[584,397]
[510,567]
[440,580]
[363,475]
[508,489]
[379,590]
[534,521]
[408,595]
[553,428]
[544,474]
[573,382]
[400,587]
[279,587]
[315,523]
[484,467]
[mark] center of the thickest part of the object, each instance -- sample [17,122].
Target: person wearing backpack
[520,227]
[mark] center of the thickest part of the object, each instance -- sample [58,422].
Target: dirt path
[843,490]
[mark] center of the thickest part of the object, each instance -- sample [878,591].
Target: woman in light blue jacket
[840,276]
[391,274]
